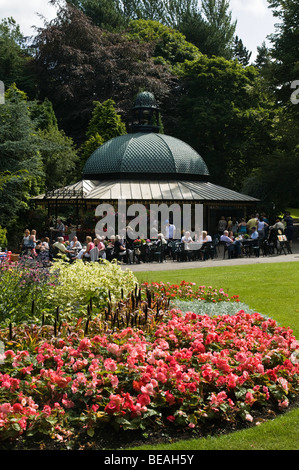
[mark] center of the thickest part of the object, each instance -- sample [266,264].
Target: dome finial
[145,113]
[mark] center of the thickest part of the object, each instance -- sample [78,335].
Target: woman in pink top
[85,252]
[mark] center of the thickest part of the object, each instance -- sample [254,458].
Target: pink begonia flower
[284,383]
[284,403]
[47,410]
[249,398]
[143,399]
[8,353]
[67,403]
[110,365]
[113,348]
[248,417]
[114,380]
[18,408]
[85,344]
[5,408]
[148,389]
[23,423]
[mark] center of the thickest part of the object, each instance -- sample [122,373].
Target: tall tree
[170,46]
[77,63]
[210,28]
[20,155]
[240,52]
[226,116]
[104,124]
[285,50]
[15,55]
[107,14]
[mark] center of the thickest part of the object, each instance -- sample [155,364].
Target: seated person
[120,249]
[254,233]
[233,246]
[160,245]
[59,246]
[186,238]
[75,245]
[45,243]
[160,240]
[42,250]
[98,242]
[85,252]
[204,238]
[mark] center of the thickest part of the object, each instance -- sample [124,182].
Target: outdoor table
[191,250]
[248,245]
[192,246]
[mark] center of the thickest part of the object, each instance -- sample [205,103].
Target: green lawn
[271,290]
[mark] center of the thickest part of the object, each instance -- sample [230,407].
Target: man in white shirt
[169,230]
[254,235]
[75,244]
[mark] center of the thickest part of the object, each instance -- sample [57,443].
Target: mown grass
[271,289]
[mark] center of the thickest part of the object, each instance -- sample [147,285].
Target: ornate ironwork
[64,193]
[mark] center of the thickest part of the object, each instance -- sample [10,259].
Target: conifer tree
[104,124]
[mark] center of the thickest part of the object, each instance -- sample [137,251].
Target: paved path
[172,265]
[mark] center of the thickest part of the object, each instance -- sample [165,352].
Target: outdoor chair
[208,250]
[178,251]
[158,252]
[225,249]
[94,254]
[216,245]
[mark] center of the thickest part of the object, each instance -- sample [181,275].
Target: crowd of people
[230,232]
[233,233]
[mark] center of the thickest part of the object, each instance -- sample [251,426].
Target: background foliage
[238,115]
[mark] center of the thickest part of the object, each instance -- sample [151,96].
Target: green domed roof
[145,154]
[145,99]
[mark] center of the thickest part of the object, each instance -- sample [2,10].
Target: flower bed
[175,370]
[30,291]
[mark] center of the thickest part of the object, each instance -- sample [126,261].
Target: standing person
[289,229]
[252,222]
[169,230]
[222,224]
[242,227]
[32,237]
[279,225]
[229,224]
[32,240]
[60,228]
[27,245]
[261,228]
[234,227]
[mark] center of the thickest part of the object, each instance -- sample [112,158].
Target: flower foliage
[189,291]
[185,371]
[28,289]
